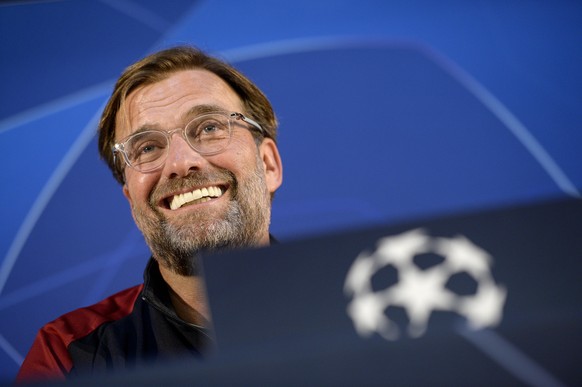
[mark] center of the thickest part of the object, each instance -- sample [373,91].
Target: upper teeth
[198,194]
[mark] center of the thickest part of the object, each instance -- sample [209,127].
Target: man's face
[236,183]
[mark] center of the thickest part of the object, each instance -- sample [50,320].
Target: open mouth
[197,196]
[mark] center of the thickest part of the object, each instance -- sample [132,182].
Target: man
[193,143]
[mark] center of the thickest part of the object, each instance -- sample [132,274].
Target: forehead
[165,104]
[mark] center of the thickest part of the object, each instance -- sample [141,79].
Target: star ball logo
[421,291]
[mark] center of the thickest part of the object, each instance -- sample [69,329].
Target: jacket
[132,328]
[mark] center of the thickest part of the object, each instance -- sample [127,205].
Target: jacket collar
[155,290]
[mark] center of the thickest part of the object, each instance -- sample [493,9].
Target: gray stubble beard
[243,225]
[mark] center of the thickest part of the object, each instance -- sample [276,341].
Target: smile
[195,197]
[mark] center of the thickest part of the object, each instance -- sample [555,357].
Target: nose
[182,159]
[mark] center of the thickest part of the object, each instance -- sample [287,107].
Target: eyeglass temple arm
[248,120]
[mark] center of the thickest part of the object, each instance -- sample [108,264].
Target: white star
[398,249]
[462,254]
[367,311]
[421,292]
[485,308]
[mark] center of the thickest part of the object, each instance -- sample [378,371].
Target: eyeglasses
[207,134]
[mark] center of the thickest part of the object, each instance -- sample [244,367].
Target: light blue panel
[32,153]
[528,55]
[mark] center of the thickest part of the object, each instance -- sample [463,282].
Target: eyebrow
[203,109]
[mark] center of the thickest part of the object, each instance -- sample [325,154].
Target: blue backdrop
[389,111]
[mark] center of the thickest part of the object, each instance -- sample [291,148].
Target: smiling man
[193,143]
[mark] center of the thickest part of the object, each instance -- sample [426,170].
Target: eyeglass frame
[120,146]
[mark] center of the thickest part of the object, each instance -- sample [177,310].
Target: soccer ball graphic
[420,291]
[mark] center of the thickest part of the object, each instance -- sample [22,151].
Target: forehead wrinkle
[193,112]
[153,97]
[141,101]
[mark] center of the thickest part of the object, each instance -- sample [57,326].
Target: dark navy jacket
[129,329]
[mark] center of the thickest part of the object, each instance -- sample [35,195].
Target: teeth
[197,196]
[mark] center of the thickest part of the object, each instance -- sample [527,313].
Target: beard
[177,244]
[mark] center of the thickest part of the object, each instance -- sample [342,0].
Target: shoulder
[49,357]
[83,321]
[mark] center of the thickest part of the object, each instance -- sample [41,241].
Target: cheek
[139,186]
[240,156]
[239,146]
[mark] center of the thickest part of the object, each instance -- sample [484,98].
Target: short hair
[159,66]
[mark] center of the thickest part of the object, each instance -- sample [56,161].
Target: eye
[209,128]
[146,147]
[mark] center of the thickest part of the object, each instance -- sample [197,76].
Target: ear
[127,195]
[130,200]
[272,164]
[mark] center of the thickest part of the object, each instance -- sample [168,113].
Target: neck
[188,296]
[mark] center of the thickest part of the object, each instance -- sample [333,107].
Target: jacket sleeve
[48,357]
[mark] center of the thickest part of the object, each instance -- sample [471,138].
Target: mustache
[193,179]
